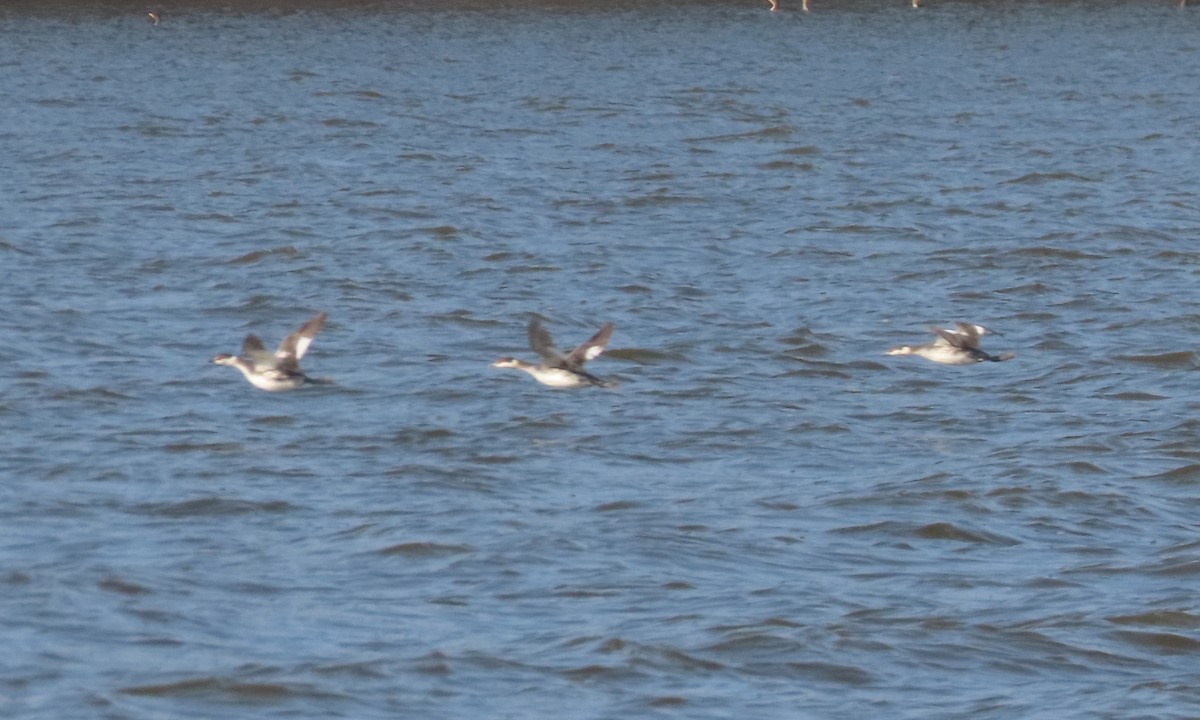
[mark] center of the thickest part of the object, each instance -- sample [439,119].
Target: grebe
[280,371]
[954,347]
[559,369]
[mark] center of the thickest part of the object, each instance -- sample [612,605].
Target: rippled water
[768,518]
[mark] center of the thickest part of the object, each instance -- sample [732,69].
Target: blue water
[767,518]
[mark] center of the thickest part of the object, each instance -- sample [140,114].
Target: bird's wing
[971,332]
[952,339]
[253,350]
[295,345]
[592,347]
[542,344]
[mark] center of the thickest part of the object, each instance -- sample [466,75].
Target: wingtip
[315,323]
[252,343]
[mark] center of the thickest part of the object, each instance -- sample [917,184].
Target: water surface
[768,518]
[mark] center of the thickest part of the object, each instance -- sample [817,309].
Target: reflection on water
[767,507]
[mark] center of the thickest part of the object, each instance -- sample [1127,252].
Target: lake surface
[768,518]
